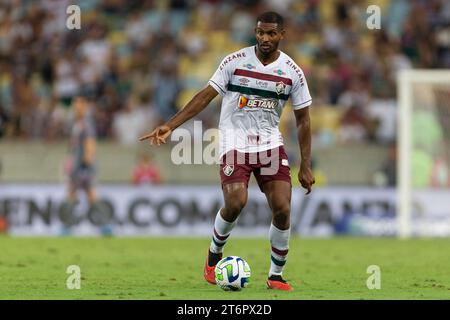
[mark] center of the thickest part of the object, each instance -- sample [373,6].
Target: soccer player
[255,83]
[82,152]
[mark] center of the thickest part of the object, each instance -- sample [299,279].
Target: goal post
[423,149]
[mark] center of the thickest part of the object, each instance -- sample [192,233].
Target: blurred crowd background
[141,61]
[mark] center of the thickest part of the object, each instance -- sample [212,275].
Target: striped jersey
[254,96]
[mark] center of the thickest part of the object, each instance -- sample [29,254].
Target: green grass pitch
[172,268]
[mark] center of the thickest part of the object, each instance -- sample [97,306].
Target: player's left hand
[305,177]
[157,136]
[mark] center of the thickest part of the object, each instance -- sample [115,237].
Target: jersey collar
[273,63]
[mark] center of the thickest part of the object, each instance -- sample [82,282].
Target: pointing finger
[309,190]
[145,137]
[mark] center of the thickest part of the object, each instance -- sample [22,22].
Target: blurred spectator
[96,50]
[3,224]
[145,171]
[440,174]
[130,123]
[66,83]
[356,94]
[357,126]
[166,83]
[138,29]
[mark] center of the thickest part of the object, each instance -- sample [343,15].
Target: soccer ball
[232,273]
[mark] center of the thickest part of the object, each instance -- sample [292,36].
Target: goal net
[423,165]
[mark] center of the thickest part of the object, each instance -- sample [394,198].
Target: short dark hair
[271,17]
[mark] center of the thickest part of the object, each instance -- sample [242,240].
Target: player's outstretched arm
[192,108]
[305,176]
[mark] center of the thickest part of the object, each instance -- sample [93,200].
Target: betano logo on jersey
[257,103]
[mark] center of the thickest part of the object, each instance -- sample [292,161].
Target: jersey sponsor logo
[262,84]
[279,72]
[231,57]
[297,71]
[249,66]
[285,162]
[228,170]
[280,87]
[257,103]
[244,81]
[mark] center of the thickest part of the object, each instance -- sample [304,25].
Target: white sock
[279,241]
[221,232]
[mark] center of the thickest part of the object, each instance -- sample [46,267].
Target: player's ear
[283,33]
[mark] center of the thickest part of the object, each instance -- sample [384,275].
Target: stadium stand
[142,60]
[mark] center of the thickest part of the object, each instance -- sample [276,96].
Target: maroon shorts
[267,166]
